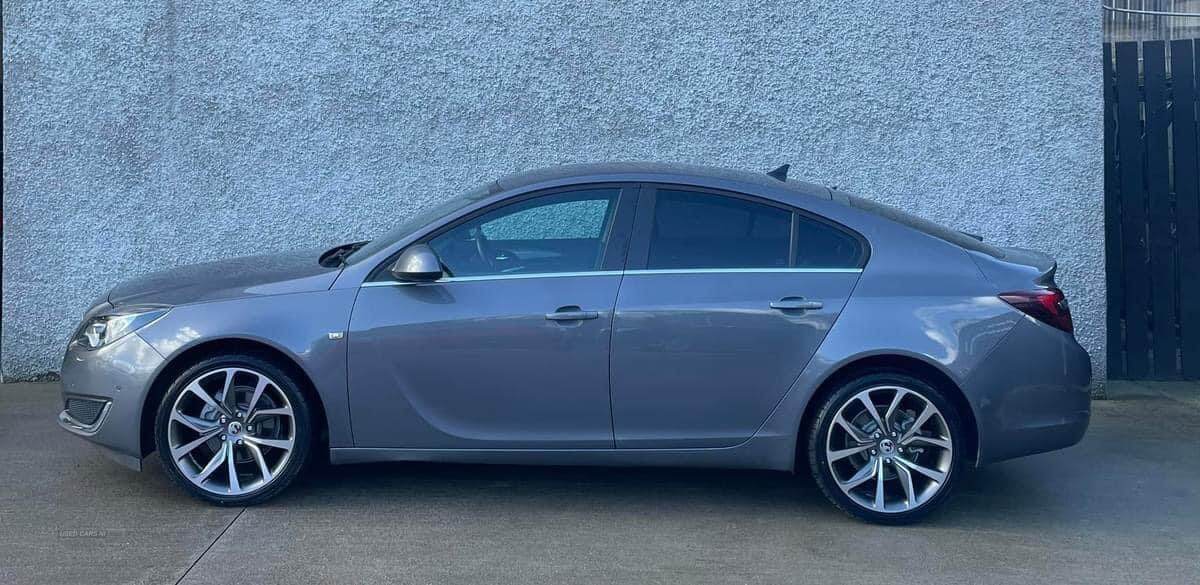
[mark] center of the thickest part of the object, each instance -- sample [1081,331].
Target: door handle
[571,313]
[796,304]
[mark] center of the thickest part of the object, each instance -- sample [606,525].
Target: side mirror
[417,264]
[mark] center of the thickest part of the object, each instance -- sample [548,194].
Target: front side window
[562,232]
[701,230]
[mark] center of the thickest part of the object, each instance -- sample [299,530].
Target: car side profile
[602,314]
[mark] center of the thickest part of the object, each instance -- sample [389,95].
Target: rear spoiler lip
[1042,263]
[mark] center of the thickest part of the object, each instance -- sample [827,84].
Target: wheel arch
[184,359]
[891,362]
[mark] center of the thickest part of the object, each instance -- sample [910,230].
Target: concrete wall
[141,135]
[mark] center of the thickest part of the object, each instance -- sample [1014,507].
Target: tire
[935,448]
[198,438]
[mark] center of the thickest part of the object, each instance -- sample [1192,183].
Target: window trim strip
[640,272]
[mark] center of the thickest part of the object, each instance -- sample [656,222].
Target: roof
[655,171]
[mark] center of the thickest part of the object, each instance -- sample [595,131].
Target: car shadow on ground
[662,489]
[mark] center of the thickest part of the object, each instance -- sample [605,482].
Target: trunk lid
[1017,268]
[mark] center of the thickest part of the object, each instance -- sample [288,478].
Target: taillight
[1048,305]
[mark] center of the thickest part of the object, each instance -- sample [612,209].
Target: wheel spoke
[856,434]
[234,485]
[935,475]
[905,477]
[866,476]
[179,452]
[275,443]
[281,411]
[258,390]
[935,441]
[865,399]
[879,502]
[226,394]
[194,423]
[891,410]
[921,420]
[262,461]
[195,388]
[217,459]
[860,477]
[844,453]
[221,397]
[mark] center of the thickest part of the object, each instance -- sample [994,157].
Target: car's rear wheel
[886,447]
[234,430]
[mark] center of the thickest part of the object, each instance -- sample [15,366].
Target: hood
[271,274]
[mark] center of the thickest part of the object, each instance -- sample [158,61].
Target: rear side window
[693,229]
[820,245]
[702,230]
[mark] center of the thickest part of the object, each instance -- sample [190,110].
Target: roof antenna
[780,174]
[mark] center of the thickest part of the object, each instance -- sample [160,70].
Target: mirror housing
[417,264]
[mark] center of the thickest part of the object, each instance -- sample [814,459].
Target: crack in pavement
[209,547]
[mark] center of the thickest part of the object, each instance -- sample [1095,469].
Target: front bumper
[119,375]
[1032,394]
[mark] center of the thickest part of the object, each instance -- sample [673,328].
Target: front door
[510,349]
[724,301]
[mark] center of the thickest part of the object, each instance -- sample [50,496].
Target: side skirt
[757,453]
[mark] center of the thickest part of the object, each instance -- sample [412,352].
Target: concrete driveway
[1121,507]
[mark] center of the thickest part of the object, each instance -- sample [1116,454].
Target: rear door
[725,299]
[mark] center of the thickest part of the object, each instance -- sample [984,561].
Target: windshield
[419,220]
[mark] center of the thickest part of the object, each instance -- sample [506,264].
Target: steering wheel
[483,248]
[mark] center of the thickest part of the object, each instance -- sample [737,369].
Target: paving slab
[1121,507]
[70,515]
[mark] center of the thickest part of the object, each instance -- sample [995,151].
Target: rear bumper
[119,376]
[1032,394]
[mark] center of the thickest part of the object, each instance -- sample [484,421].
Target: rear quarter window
[820,245]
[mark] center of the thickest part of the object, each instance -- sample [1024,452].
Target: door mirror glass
[417,264]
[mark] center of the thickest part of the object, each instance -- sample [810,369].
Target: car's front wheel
[234,430]
[886,447]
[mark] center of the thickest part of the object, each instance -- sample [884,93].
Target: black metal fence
[1152,209]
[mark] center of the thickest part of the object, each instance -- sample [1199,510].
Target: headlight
[114,324]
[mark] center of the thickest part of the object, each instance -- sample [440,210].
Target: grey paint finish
[700,360]
[146,135]
[266,275]
[117,373]
[428,382]
[274,321]
[477,364]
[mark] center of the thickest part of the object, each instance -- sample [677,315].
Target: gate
[1152,209]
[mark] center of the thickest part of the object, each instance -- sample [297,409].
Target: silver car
[610,314]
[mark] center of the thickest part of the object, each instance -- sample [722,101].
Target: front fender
[297,325]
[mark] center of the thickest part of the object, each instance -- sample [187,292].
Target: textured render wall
[142,135]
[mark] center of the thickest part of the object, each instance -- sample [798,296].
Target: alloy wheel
[231,431]
[889,449]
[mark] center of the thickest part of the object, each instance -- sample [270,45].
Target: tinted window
[564,232]
[820,245]
[701,230]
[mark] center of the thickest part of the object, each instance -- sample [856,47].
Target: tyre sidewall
[818,462]
[300,409]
